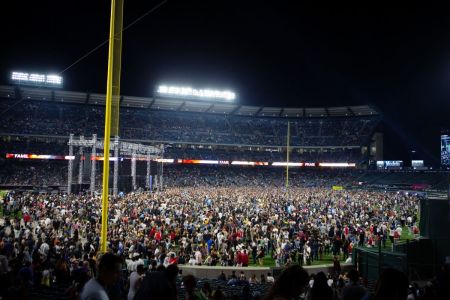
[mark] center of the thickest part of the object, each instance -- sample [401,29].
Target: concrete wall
[214,272]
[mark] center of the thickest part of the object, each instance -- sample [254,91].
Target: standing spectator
[244,258]
[109,270]
[135,281]
[336,267]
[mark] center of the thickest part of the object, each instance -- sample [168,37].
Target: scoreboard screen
[445,150]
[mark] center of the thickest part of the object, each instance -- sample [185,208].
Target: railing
[418,259]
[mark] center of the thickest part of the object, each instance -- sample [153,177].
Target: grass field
[270,262]
[3,193]
[328,259]
[406,235]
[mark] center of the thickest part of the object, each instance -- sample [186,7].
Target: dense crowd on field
[46,237]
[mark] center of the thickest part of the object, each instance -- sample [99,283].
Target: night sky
[269,54]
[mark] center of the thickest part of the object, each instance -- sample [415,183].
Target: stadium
[207,196]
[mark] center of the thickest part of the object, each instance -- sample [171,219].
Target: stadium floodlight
[50,80]
[54,79]
[201,94]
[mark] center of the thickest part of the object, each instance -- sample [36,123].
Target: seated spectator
[191,293]
[270,278]
[320,289]
[222,276]
[354,290]
[391,285]
[159,285]
[289,285]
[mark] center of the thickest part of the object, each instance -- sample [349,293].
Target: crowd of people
[54,235]
[56,118]
[36,173]
[225,176]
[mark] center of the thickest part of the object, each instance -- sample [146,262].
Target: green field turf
[328,259]
[3,193]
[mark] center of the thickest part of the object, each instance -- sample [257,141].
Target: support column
[116,166]
[147,178]
[93,164]
[80,167]
[161,176]
[162,167]
[70,168]
[133,170]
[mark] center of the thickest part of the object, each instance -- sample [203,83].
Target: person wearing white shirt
[109,271]
[135,281]
[198,257]
[192,261]
[270,278]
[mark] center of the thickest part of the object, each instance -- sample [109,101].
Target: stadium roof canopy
[183,105]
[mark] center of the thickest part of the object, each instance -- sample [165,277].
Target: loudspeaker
[153,167]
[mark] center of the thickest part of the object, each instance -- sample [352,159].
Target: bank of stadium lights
[202,94]
[37,79]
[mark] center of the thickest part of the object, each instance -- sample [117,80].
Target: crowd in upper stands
[49,118]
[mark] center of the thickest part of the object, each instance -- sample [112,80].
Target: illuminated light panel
[196,93]
[165,160]
[249,163]
[101,158]
[290,164]
[34,78]
[201,161]
[54,79]
[19,76]
[38,156]
[338,165]
[310,164]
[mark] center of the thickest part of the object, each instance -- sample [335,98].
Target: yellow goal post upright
[112,106]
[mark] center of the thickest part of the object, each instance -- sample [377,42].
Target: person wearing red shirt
[152,232]
[158,236]
[26,218]
[239,258]
[172,259]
